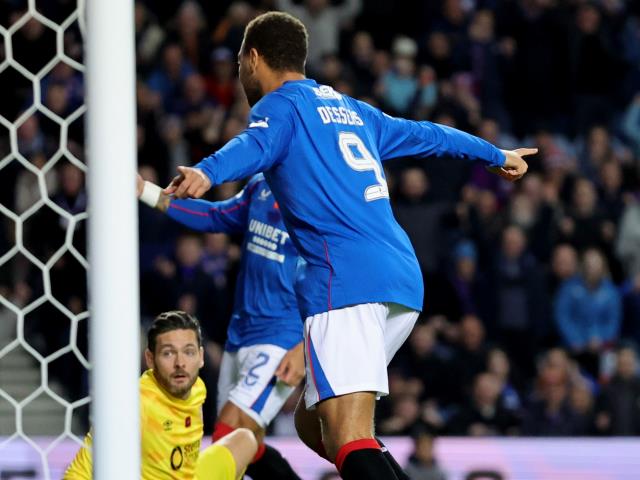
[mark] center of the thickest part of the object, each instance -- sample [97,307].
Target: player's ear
[254,59]
[148,358]
[201,357]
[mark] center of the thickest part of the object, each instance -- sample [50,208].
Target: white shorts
[247,380]
[348,350]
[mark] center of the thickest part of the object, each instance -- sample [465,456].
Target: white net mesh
[43,317]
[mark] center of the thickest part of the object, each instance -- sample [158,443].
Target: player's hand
[514,166]
[139,185]
[291,368]
[190,182]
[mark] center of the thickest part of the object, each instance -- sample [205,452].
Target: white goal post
[113,239]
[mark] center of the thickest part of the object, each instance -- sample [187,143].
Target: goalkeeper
[171,398]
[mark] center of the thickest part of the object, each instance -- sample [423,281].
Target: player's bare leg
[348,437]
[310,433]
[308,427]
[267,463]
[234,417]
[344,419]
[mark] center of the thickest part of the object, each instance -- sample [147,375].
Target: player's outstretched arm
[190,182]
[258,148]
[228,216]
[152,194]
[398,137]
[514,166]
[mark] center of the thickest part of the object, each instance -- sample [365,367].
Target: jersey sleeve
[228,216]
[258,148]
[398,137]
[81,466]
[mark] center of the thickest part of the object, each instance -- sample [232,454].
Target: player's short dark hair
[172,320]
[280,38]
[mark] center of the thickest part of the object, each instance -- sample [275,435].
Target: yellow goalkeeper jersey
[171,434]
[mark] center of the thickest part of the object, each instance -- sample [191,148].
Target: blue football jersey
[321,154]
[265,308]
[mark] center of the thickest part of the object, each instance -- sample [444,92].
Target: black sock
[271,465]
[397,469]
[368,463]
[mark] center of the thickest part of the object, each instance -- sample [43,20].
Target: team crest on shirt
[167,425]
[187,422]
[264,194]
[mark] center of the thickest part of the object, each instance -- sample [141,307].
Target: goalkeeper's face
[176,361]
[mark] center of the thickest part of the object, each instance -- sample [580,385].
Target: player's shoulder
[198,393]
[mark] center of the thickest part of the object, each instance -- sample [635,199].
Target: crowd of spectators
[532,306]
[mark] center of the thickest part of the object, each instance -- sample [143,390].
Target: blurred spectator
[405,413]
[31,140]
[499,366]
[582,405]
[166,80]
[564,265]
[482,56]
[588,311]
[229,31]
[27,187]
[584,225]
[480,218]
[470,355]
[628,241]
[484,415]
[631,124]
[362,59]
[610,190]
[202,120]
[426,362]
[436,52]
[422,464]
[221,79]
[149,37]
[630,291]
[175,144]
[619,406]
[34,45]
[521,298]
[465,289]
[549,412]
[323,20]
[190,31]
[399,85]
[594,64]
[598,148]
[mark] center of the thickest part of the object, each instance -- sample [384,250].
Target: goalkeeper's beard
[177,389]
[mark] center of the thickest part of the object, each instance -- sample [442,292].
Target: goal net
[43,302]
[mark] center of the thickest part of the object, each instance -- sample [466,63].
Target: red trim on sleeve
[186,210]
